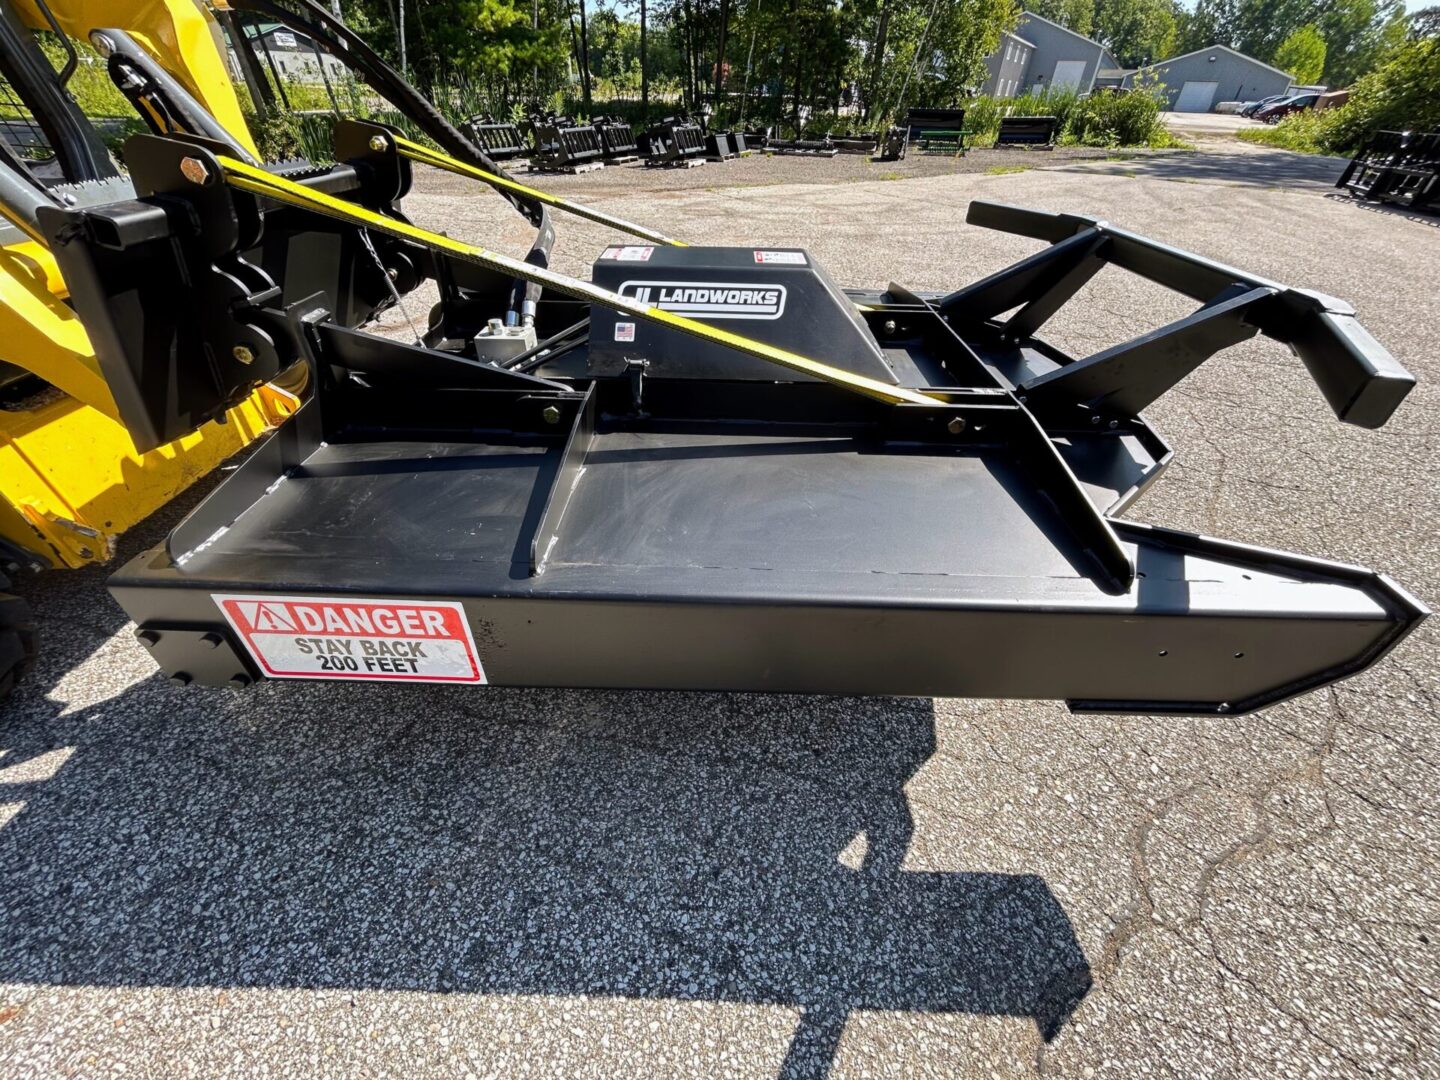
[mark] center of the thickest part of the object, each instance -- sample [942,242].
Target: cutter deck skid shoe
[714,468]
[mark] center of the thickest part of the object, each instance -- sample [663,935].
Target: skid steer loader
[706,467]
[72,478]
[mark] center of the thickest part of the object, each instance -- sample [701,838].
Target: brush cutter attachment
[717,469]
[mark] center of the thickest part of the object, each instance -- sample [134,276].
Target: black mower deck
[717,470]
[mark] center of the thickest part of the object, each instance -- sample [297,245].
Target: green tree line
[777,60]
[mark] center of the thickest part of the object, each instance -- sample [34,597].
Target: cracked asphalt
[380,881]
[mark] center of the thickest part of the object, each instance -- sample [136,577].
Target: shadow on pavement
[1419,217]
[636,845]
[1277,169]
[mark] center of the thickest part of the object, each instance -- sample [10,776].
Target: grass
[1299,137]
[1002,170]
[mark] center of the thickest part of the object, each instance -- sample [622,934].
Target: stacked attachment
[864,142]
[677,141]
[617,140]
[720,146]
[937,130]
[500,140]
[822,147]
[1399,167]
[1037,132]
[562,145]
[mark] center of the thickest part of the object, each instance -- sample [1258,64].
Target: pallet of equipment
[617,140]
[937,130]
[562,145]
[719,146]
[1397,167]
[499,140]
[675,141]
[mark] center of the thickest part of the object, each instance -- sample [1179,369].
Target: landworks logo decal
[710,299]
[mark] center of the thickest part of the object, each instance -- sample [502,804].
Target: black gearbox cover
[776,295]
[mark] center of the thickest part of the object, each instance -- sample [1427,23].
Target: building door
[1196,97]
[1069,74]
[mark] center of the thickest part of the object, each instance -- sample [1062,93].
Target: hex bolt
[1114,424]
[148,638]
[889,326]
[239,682]
[181,678]
[956,426]
[195,170]
[379,143]
[551,414]
[1094,420]
[243,354]
[211,639]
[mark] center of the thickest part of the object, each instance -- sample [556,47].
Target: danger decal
[315,637]
[710,300]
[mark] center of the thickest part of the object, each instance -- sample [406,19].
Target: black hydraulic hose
[321,26]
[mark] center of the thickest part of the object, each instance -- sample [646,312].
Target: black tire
[18,639]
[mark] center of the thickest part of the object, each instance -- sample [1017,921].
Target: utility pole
[644,72]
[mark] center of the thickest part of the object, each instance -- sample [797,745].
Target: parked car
[1273,114]
[1251,107]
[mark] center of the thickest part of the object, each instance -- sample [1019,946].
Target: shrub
[1131,119]
[1302,131]
[1399,95]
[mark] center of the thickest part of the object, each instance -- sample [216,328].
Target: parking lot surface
[352,880]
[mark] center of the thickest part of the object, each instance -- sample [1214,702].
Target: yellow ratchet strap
[259,182]
[434,158]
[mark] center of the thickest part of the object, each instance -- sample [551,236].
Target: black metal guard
[1362,382]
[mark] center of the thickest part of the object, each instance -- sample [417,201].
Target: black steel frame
[1057,444]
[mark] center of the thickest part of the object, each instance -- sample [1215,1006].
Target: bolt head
[551,414]
[195,170]
[243,354]
[379,143]
[956,426]
[102,44]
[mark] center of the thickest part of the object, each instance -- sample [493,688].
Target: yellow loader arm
[71,477]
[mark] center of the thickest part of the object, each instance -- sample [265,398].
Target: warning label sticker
[628,254]
[317,637]
[786,258]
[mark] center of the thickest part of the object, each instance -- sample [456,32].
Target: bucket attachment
[717,470]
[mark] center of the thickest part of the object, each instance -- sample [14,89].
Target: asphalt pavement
[321,880]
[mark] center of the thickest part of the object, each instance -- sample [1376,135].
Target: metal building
[1199,80]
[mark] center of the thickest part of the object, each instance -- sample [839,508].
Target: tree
[1302,54]
[1425,23]
[1136,31]
[1359,34]
[1077,15]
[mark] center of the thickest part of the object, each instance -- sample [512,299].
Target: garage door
[1068,73]
[1196,97]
